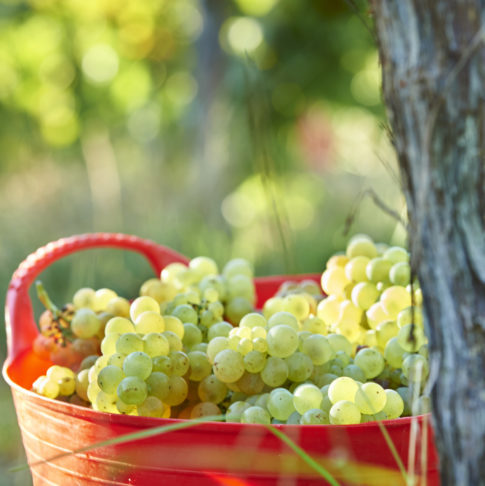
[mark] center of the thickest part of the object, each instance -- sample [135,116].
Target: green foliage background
[238,128]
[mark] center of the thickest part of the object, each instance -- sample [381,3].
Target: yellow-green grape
[255,415]
[252,320]
[355,269]
[315,325]
[283,317]
[254,361]
[396,254]
[213,282]
[118,325]
[102,297]
[85,323]
[109,378]
[180,363]
[186,313]
[343,388]
[105,402]
[149,321]
[84,298]
[155,344]
[306,397]
[250,384]
[343,358]
[100,363]
[261,400]
[370,398]
[192,335]
[175,325]
[151,407]
[394,405]
[376,314]
[377,270]
[272,306]
[294,419]
[400,274]
[119,306]
[326,404]
[349,312]
[370,338]
[132,390]
[311,287]
[275,372]
[228,366]
[318,349]
[371,362]
[337,260]
[280,404]
[411,338]
[315,416]
[210,295]
[128,343]
[82,382]
[350,329]
[334,281]
[395,299]
[210,389]
[200,367]
[174,341]
[282,341]
[143,304]
[393,353]
[222,328]
[415,368]
[364,294]
[163,364]
[233,342]
[215,345]
[108,344]
[340,343]
[158,290]
[204,409]
[177,391]
[242,332]
[344,413]
[237,266]
[385,331]
[328,309]
[355,372]
[137,364]
[258,332]
[125,408]
[240,286]
[237,308]
[361,245]
[170,272]
[203,266]
[235,410]
[410,315]
[46,387]
[297,305]
[300,367]
[158,385]
[245,346]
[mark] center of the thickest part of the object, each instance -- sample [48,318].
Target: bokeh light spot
[100,64]
[244,34]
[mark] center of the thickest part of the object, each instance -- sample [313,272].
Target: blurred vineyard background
[238,128]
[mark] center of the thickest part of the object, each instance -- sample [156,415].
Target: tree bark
[433,60]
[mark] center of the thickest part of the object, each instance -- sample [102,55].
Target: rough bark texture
[433,58]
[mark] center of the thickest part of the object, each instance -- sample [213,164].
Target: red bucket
[210,453]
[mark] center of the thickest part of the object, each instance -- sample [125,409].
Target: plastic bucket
[208,454]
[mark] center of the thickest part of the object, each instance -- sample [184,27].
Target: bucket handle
[20,323]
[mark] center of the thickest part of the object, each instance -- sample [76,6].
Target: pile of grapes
[193,345]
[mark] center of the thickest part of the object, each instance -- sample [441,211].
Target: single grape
[151,407]
[344,413]
[334,281]
[394,405]
[84,298]
[282,341]
[158,385]
[119,325]
[228,366]
[137,364]
[178,391]
[280,404]
[235,411]
[109,378]
[148,322]
[343,388]
[275,372]
[211,389]
[315,416]
[300,367]
[143,304]
[132,390]
[222,328]
[253,319]
[128,343]
[155,344]
[174,342]
[411,338]
[361,245]
[306,397]
[393,353]
[255,415]
[85,323]
[318,349]
[200,367]
[118,306]
[370,398]
[180,363]
[175,325]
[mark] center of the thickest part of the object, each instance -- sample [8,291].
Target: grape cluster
[192,344]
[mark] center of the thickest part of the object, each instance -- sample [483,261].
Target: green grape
[175,325]
[151,407]
[200,367]
[394,299]
[328,309]
[82,382]
[396,254]
[315,325]
[377,270]
[215,345]
[300,367]
[343,388]
[297,305]
[310,287]
[326,404]
[282,341]
[186,313]
[415,368]
[255,415]
[174,342]
[108,344]
[283,318]
[306,397]
[337,260]
[102,297]
[228,366]
[203,266]
[400,274]
[143,304]
[192,335]
[118,325]
[393,353]
[88,361]
[364,294]
[250,383]
[222,328]
[92,391]
[262,400]
[240,286]
[315,416]
[370,398]
[280,404]
[350,329]
[411,338]
[410,315]
[344,413]
[177,391]
[148,322]
[204,409]
[406,394]
[237,308]
[355,372]
[125,408]
[235,411]
[370,338]
[334,281]
[105,402]
[158,290]
[180,363]
[376,314]
[109,378]
[252,320]
[254,361]
[237,266]
[245,346]
[163,364]
[394,405]
[361,245]
[132,390]
[128,343]
[275,372]
[385,331]
[258,332]
[84,298]
[294,419]
[318,348]
[371,362]
[158,385]
[170,272]
[339,343]
[260,344]
[349,312]
[100,363]
[213,282]
[355,269]
[118,306]
[272,306]
[137,364]
[85,323]
[155,344]
[211,389]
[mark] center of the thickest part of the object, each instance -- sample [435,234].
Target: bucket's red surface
[207,454]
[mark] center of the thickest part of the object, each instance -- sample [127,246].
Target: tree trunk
[433,59]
